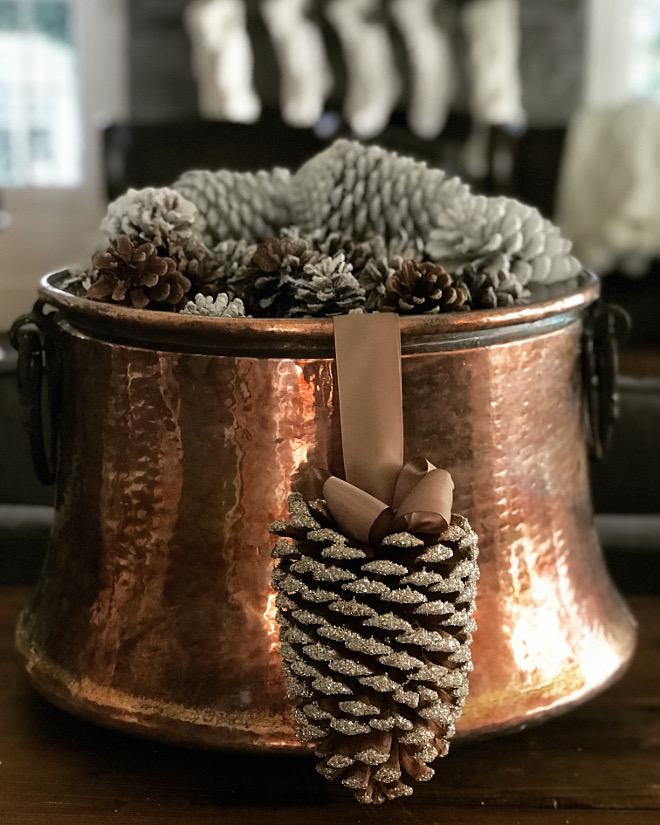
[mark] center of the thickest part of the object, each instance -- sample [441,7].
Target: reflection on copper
[270,622]
[178,448]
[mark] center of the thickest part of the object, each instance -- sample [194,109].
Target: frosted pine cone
[219,307]
[242,205]
[491,290]
[158,216]
[268,283]
[359,191]
[373,260]
[134,274]
[423,288]
[375,646]
[501,235]
[327,288]
[233,255]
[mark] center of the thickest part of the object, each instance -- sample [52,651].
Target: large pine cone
[134,274]
[247,205]
[375,646]
[423,288]
[501,235]
[359,191]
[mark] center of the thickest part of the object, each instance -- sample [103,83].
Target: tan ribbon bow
[381,494]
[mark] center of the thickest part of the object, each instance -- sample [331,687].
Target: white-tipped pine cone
[240,205]
[161,216]
[375,646]
[501,236]
[359,191]
[327,288]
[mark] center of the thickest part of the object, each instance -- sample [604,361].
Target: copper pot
[179,440]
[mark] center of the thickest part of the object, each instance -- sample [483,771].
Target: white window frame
[54,228]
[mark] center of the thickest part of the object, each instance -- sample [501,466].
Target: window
[63,73]
[644,75]
[623,60]
[40,111]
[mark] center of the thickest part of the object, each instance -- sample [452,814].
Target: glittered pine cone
[375,646]
[423,288]
[134,274]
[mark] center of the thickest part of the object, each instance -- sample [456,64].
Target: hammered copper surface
[154,612]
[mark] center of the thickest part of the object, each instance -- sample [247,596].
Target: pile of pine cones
[355,229]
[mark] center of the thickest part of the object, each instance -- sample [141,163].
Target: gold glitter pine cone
[423,288]
[375,646]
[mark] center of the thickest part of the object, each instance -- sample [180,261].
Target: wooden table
[599,765]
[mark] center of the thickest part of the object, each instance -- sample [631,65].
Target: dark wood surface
[598,765]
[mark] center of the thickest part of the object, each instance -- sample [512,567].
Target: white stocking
[431,65]
[373,86]
[305,72]
[222,60]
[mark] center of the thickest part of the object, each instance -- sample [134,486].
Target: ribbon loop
[426,507]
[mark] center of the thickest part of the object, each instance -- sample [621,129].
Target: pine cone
[373,260]
[243,205]
[501,235]
[327,288]
[134,274]
[268,283]
[222,306]
[375,646]
[491,290]
[158,216]
[423,288]
[359,191]
[171,223]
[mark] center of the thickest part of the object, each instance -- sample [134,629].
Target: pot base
[265,732]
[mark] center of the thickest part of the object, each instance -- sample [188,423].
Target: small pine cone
[222,306]
[328,288]
[491,290]
[375,646]
[267,284]
[134,274]
[158,216]
[423,288]
[232,255]
[373,260]
[198,266]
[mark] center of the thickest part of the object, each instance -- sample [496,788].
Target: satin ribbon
[381,494]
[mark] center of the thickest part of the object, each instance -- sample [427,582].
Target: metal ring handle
[605,326]
[29,335]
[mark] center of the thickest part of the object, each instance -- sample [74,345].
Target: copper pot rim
[169,330]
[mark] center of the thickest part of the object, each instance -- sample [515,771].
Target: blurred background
[554,102]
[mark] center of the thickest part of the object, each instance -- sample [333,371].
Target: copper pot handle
[32,336]
[605,327]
